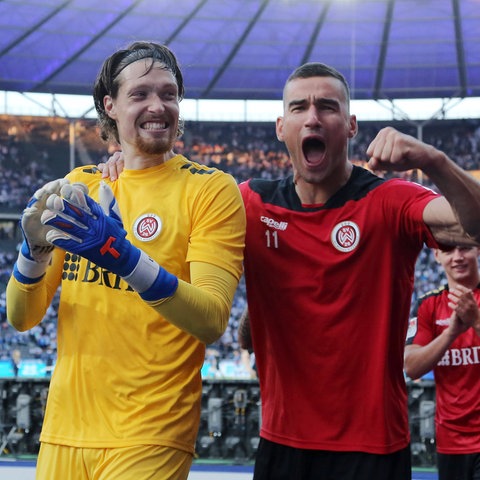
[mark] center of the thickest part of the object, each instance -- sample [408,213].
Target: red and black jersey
[457,375]
[329,291]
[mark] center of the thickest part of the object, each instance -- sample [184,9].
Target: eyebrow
[148,86]
[328,101]
[318,102]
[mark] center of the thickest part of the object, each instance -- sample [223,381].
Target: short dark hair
[107,83]
[317,69]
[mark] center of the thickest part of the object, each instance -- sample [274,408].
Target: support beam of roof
[462,69]
[93,40]
[235,49]
[171,38]
[316,31]
[33,28]
[387,48]
[383,50]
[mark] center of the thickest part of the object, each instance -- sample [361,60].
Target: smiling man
[148,267]
[444,335]
[329,261]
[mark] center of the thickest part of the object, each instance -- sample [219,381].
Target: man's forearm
[461,190]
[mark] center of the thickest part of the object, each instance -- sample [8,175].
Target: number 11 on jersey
[272,238]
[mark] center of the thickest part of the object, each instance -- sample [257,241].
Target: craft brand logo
[270,222]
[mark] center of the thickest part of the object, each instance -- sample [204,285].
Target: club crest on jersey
[147,227]
[345,236]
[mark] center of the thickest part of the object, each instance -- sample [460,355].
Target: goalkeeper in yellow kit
[148,267]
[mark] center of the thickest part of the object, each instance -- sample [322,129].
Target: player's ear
[279,128]
[109,106]
[352,126]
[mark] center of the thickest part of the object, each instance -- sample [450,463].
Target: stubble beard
[156,146]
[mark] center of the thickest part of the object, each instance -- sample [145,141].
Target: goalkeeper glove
[95,232]
[36,251]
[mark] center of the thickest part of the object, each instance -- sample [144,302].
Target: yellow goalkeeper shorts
[152,462]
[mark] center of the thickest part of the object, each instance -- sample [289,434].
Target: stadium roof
[245,49]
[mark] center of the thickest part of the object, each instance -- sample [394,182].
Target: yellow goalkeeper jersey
[124,375]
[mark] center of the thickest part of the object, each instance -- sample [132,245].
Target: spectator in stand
[444,335]
[140,297]
[245,160]
[16,360]
[329,269]
[428,274]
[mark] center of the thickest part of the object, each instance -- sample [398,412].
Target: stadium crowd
[34,151]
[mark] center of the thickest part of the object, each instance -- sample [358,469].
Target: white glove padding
[80,225]
[34,232]
[73,193]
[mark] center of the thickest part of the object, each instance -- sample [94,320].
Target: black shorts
[458,467]
[278,462]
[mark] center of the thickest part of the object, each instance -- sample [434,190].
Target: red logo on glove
[107,248]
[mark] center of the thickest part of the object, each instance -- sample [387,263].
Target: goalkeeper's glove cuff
[150,280]
[27,270]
